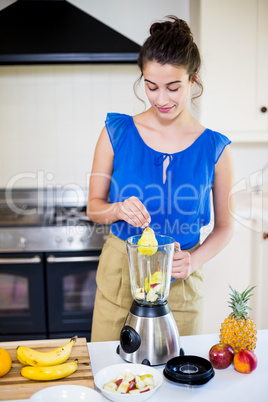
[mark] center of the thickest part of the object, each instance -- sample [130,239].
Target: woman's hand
[134,212]
[182,264]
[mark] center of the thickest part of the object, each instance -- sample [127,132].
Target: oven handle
[53,259]
[34,260]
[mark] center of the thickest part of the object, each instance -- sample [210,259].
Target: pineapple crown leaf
[246,294]
[238,302]
[243,295]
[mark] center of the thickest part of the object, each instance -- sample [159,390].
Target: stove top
[30,221]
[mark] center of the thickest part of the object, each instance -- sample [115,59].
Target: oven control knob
[70,239]
[84,239]
[22,241]
[58,239]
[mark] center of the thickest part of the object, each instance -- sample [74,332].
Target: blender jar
[150,274]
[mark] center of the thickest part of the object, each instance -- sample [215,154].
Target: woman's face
[167,88]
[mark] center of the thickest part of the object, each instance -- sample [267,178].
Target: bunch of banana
[31,357]
[45,366]
[49,373]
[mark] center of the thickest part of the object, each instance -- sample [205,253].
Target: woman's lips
[164,109]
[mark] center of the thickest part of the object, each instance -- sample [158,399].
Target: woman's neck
[182,124]
[170,135]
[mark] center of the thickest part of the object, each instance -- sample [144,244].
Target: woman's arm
[184,263]
[98,208]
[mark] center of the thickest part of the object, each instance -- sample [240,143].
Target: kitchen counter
[226,385]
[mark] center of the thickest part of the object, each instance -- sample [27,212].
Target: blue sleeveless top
[180,206]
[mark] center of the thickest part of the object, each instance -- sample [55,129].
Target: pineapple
[238,330]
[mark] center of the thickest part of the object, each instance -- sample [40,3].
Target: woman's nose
[162,99]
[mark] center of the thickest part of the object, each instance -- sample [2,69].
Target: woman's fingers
[181,267]
[180,257]
[140,212]
[177,247]
[134,212]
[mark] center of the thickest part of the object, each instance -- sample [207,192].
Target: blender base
[149,336]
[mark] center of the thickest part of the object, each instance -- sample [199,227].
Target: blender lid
[189,370]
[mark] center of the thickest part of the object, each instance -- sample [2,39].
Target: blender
[150,334]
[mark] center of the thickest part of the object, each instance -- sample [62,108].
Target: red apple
[145,390]
[118,382]
[245,361]
[221,355]
[132,385]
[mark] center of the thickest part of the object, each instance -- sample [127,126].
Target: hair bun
[158,27]
[176,24]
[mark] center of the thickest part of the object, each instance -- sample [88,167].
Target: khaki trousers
[114,299]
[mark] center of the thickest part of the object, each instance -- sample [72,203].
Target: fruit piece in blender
[154,285]
[151,296]
[155,279]
[139,294]
[148,243]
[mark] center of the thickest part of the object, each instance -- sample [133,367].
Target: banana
[21,360]
[49,373]
[32,357]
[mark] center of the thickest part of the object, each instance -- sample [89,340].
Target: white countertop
[226,385]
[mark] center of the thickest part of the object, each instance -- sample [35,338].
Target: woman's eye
[173,90]
[152,89]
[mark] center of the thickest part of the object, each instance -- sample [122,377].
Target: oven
[22,296]
[48,263]
[71,289]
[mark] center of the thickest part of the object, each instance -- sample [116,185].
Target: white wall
[133,18]
[51,116]
[6,3]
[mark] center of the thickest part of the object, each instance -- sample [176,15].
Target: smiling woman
[153,168]
[168,97]
[161,47]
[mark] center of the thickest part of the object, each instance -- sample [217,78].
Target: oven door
[22,300]
[71,289]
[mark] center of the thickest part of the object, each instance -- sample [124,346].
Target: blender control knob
[146,362]
[130,340]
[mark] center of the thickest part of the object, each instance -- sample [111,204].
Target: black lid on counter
[189,370]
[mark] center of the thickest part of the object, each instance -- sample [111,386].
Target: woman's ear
[194,78]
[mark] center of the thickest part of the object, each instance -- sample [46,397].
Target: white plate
[66,393]
[109,374]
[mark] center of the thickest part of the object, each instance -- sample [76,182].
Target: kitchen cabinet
[259,265]
[233,265]
[242,263]
[233,44]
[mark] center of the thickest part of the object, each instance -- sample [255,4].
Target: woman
[158,168]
